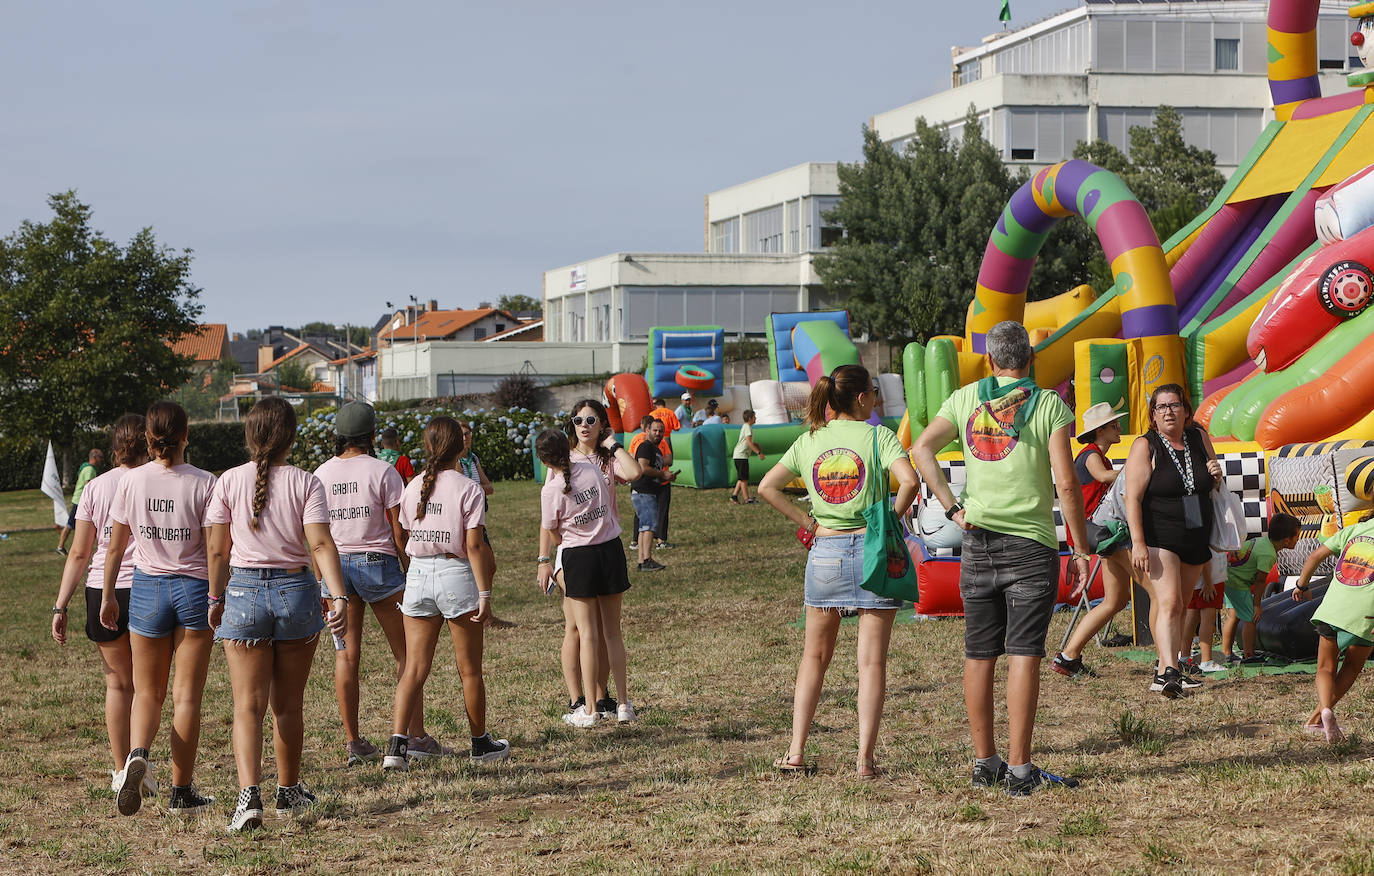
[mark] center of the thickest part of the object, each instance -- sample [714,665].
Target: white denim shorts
[439,586]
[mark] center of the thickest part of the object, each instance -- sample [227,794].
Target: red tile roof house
[414,324]
[206,346]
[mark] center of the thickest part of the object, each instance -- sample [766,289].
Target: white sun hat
[1097,416]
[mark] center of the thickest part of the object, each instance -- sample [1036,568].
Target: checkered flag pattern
[1244,474]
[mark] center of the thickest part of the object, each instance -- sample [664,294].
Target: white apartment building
[1095,71]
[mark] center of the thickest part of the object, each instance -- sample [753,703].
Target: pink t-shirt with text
[294,498]
[359,490]
[587,514]
[94,508]
[164,508]
[455,506]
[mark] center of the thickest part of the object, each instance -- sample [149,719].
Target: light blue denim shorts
[834,575]
[372,576]
[270,605]
[158,604]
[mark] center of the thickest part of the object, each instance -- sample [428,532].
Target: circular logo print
[1346,289]
[985,436]
[1356,565]
[838,475]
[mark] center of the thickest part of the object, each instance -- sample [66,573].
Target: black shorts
[94,631]
[595,570]
[1008,584]
[742,469]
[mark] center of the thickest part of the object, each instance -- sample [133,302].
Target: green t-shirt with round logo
[1255,556]
[834,462]
[1349,599]
[1008,484]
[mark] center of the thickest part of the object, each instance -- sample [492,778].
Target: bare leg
[822,626]
[568,654]
[389,616]
[250,676]
[875,632]
[1248,634]
[978,675]
[587,619]
[1166,621]
[118,665]
[646,545]
[152,659]
[1191,622]
[290,671]
[1116,592]
[1229,623]
[467,647]
[192,650]
[1207,628]
[1023,696]
[608,607]
[422,633]
[346,668]
[1340,684]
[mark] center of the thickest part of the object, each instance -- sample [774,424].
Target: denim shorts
[158,604]
[372,576]
[270,605]
[835,572]
[439,587]
[1008,584]
[646,509]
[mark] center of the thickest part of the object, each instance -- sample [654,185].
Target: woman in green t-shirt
[836,461]
[1344,620]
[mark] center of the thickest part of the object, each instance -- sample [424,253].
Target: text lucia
[163,533]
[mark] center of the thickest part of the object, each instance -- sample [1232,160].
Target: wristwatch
[953,509]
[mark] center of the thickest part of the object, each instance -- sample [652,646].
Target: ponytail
[443,444]
[839,392]
[166,427]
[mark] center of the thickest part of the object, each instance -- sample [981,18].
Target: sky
[321,159]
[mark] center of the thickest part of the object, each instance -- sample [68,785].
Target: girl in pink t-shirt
[268,520]
[580,549]
[87,560]
[449,579]
[364,496]
[160,506]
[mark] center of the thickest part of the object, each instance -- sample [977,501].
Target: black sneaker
[248,814]
[293,800]
[1253,660]
[1072,668]
[1118,640]
[128,785]
[651,565]
[1169,682]
[1037,779]
[396,758]
[1188,683]
[187,801]
[1190,668]
[485,749]
[664,545]
[605,707]
[986,778]
[1230,659]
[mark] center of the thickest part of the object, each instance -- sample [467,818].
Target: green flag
[1005,14]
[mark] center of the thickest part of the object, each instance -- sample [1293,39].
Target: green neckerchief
[387,455]
[989,390]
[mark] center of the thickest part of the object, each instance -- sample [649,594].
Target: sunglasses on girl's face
[589,420]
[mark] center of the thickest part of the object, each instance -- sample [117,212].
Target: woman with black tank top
[1170,474]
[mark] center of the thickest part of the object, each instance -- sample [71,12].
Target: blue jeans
[269,605]
[158,604]
[835,573]
[372,576]
[646,509]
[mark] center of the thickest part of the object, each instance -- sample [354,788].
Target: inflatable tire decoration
[1346,289]
[690,377]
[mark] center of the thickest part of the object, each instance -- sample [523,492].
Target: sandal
[794,765]
[869,771]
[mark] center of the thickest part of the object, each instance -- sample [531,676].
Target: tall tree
[520,304]
[86,325]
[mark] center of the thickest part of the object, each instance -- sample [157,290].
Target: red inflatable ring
[689,377]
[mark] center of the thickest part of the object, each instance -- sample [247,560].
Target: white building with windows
[1094,71]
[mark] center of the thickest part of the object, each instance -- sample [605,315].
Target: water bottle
[339,643]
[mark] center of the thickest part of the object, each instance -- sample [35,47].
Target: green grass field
[1221,782]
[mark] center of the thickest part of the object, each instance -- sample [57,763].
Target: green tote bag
[888,570]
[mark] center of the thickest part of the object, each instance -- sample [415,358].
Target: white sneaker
[582,718]
[625,713]
[128,785]
[1213,666]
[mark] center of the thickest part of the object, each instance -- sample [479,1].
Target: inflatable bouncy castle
[685,357]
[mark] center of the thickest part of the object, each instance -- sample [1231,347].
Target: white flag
[52,487]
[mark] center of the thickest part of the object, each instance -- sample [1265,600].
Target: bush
[515,391]
[216,446]
[502,438]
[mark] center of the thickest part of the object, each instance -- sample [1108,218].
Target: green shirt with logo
[1349,599]
[836,462]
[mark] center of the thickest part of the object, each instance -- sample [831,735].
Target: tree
[294,375]
[520,304]
[86,325]
[200,395]
[916,226]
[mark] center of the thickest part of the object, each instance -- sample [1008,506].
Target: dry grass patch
[1223,781]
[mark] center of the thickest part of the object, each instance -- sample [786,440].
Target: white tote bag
[1228,521]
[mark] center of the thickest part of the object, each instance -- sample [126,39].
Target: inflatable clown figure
[1363,41]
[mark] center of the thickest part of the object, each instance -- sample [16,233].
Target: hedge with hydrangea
[503,438]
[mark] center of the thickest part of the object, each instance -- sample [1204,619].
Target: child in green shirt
[1344,620]
[1247,570]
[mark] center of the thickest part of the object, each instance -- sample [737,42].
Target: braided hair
[603,455]
[128,441]
[443,443]
[553,450]
[165,425]
[270,430]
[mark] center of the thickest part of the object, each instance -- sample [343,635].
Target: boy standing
[743,447]
[1247,570]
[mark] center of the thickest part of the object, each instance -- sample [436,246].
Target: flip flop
[868,772]
[1330,728]
[786,767]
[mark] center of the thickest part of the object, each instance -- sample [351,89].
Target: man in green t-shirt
[1246,571]
[84,475]
[1014,435]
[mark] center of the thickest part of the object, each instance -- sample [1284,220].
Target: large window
[725,235]
[823,232]
[763,230]
[1228,54]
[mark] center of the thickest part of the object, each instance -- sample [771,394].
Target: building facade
[1095,71]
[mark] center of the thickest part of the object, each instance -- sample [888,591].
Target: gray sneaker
[426,747]
[986,778]
[361,751]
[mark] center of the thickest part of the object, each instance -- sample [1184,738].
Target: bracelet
[1295,587]
[56,610]
[214,600]
[952,510]
[1079,555]
[543,560]
[337,598]
[484,594]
